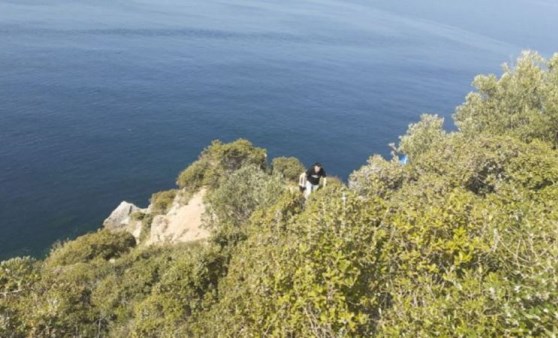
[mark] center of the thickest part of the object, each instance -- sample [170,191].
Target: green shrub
[288,167]
[194,176]
[521,103]
[421,136]
[219,160]
[130,282]
[162,201]
[480,258]
[289,204]
[310,275]
[378,177]
[179,293]
[18,277]
[101,244]
[146,222]
[64,306]
[335,182]
[483,164]
[230,206]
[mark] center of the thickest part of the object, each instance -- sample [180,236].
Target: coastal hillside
[459,240]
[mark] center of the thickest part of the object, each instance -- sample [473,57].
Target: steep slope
[181,224]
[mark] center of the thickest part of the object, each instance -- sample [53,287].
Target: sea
[103,101]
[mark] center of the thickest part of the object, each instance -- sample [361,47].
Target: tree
[522,102]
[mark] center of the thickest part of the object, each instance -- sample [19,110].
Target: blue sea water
[103,101]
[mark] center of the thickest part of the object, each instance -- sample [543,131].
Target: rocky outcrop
[182,223]
[121,216]
[121,219]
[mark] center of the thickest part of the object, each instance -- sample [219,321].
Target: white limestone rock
[182,223]
[120,218]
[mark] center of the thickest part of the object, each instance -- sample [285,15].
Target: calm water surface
[103,101]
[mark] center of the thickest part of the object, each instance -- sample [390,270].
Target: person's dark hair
[317,164]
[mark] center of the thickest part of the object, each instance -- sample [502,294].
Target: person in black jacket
[311,179]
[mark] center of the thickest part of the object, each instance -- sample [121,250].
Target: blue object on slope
[403,160]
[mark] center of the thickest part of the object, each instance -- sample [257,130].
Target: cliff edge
[181,223]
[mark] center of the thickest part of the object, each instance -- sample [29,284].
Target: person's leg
[308,189]
[315,187]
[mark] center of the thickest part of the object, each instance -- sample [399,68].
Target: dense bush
[421,136]
[461,267]
[219,160]
[522,103]
[378,177]
[178,293]
[311,274]
[149,292]
[18,277]
[288,167]
[162,201]
[101,244]
[195,175]
[230,206]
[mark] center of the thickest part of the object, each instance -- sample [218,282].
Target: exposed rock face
[120,219]
[181,224]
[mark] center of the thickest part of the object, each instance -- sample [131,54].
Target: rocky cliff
[181,223]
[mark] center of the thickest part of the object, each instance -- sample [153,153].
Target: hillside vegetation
[461,241]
